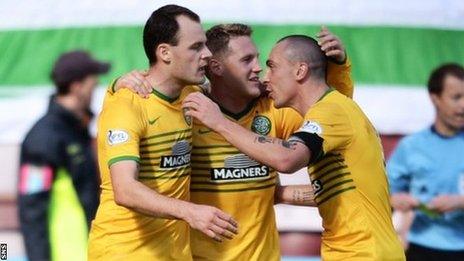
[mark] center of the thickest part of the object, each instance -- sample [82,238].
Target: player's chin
[278,104]
[457,124]
[278,101]
[254,89]
[255,93]
[198,79]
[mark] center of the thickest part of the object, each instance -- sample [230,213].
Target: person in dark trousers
[58,182]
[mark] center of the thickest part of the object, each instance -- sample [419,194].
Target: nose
[206,53]
[266,78]
[256,67]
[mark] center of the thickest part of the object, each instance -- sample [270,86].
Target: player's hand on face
[446,203]
[136,82]
[403,202]
[331,45]
[203,109]
[213,222]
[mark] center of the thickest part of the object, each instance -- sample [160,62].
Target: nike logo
[151,122]
[203,131]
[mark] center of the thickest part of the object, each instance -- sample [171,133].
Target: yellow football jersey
[224,177]
[155,133]
[339,77]
[350,183]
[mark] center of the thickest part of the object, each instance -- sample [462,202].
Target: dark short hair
[75,66]
[218,36]
[437,77]
[162,27]
[303,48]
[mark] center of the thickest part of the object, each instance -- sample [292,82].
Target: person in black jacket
[58,182]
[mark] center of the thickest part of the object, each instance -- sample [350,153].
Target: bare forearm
[302,195]
[270,151]
[139,197]
[281,155]
[131,193]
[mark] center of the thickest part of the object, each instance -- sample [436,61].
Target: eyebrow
[246,56]
[198,43]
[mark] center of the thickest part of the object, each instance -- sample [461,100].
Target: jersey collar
[236,116]
[164,97]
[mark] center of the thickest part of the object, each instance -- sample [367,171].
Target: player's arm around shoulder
[136,81]
[284,156]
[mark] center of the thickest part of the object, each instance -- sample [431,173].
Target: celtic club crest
[261,125]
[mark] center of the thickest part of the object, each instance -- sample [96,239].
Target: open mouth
[202,69]
[254,79]
[460,116]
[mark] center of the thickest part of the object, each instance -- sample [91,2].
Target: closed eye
[269,64]
[247,58]
[197,46]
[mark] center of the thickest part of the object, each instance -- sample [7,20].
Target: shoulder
[45,127]
[192,88]
[122,100]
[44,137]
[415,139]
[332,105]
[124,94]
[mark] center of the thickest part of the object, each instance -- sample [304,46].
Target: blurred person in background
[426,173]
[58,182]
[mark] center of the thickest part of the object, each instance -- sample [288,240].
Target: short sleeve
[121,126]
[326,124]
[287,121]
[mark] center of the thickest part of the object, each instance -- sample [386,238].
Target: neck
[228,98]
[444,129]
[308,94]
[163,82]
[71,104]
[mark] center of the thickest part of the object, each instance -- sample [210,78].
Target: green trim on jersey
[237,116]
[326,92]
[121,158]
[164,134]
[164,96]
[334,194]
[113,84]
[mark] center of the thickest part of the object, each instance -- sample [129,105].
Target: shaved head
[302,48]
